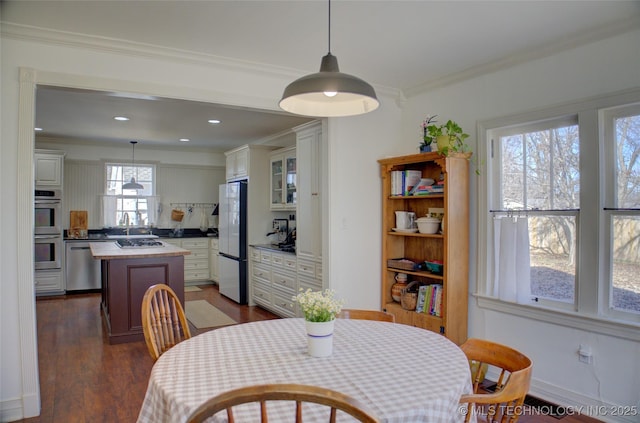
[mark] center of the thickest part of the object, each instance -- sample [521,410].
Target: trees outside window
[576,176]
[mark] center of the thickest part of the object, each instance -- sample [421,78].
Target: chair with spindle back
[300,394]
[163,320]
[505,403]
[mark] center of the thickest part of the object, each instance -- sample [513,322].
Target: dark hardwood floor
[84,379]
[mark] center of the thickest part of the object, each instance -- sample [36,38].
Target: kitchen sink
[130,236]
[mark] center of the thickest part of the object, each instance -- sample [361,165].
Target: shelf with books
[450,247]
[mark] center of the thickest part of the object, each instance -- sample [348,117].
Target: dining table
[400,372]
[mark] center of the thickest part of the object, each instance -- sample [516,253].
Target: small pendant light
[329,93]
[133,184]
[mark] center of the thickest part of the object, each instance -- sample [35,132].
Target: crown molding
[15,31]
[530,54]
[114,45]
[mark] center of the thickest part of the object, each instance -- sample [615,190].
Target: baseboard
[579,403]
[196,283]
[576,403]
[11,410]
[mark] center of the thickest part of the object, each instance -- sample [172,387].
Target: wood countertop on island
[110,251]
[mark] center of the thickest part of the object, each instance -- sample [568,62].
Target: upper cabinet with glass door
[283,179]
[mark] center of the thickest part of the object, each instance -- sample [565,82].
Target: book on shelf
[422,185]
[430,300]
[422,294]
[430,189]
[411,179]
[396,182]
[404,181]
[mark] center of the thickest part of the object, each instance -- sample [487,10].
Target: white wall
[603,67]
[354,195]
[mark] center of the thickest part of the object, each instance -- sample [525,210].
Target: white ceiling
[88,116]
[403,45]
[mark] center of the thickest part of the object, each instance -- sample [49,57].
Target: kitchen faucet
[126,222]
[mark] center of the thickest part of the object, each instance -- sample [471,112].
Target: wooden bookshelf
[451,246]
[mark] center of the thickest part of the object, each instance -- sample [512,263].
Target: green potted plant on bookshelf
[450,138]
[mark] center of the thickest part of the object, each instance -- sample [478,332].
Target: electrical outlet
[585,355]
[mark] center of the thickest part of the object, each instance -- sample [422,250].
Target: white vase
[319,338]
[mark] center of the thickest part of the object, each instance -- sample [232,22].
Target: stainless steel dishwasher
[82,270]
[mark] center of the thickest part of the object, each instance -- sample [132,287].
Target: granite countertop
[272,247]
[101,234]
[109,250]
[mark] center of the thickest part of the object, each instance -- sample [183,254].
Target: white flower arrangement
[318,306]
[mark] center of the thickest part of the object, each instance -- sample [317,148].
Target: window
[122,206]
[622,209]
[540,179]
[573,173]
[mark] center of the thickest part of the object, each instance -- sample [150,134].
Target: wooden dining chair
[381,316]
[282,392]
[163,320]
[505,403]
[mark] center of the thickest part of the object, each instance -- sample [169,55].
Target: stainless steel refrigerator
[232,233]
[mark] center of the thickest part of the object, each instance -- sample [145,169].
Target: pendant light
[132,184]
[329,93]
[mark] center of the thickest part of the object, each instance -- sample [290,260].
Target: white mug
[402,220]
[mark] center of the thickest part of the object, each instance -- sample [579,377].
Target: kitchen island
[127,273]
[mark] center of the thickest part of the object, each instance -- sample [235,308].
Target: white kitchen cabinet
[214,248]
[196,264]
[49,282]
[311,158]
[283,179]
[274,281]
[237,163]
[48,168]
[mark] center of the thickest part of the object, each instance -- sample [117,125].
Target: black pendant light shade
[329,93]
[132,184]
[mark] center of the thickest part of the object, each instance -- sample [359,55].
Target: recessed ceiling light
[37,129]
[184,140]
[214,121]
[121,118]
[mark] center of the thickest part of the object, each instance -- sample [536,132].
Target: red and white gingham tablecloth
[402,373]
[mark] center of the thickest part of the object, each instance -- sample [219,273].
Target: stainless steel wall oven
[48,244]
[48,252]
[48,212]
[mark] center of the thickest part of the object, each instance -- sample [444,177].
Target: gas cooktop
[139,243]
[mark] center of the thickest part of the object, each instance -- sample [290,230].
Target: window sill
[595,324]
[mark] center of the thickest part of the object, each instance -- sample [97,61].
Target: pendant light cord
[133,163]
[133,143]
[329,32]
